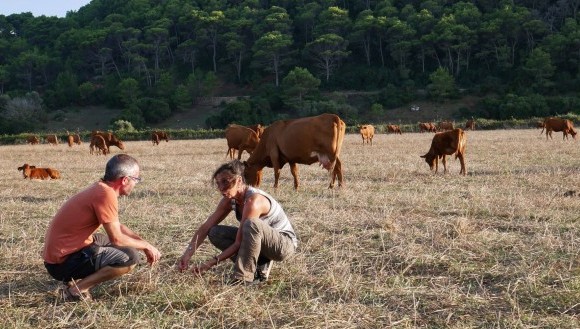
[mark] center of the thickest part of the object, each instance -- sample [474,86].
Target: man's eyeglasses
[136,179]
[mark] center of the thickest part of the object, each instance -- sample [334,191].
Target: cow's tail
[339,131]
[462,140]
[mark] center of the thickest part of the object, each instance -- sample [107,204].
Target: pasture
[397,247]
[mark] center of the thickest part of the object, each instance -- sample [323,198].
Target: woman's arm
[222,210]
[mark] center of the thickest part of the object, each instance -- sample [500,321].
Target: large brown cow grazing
[470,124]
[427,126]
[394,129]
[299,141]
[367,132]
[110,139]
[240,138]
[51,139]
[99,145]
[32,172]
[445,125]
[556,124]
[33,139]
[447,143]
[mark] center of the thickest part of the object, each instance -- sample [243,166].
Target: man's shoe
[263,271]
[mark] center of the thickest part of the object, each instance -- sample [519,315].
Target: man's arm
[120,235]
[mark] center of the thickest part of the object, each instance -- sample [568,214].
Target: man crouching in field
[79,256]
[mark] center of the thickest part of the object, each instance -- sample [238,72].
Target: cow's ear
[20,168]
[423,156]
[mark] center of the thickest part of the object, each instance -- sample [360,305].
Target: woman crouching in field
[265,233]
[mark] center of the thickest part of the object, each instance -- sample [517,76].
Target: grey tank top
[276,217]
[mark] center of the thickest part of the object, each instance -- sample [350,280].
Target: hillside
[98,118]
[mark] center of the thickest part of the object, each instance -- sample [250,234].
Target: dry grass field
[397,247]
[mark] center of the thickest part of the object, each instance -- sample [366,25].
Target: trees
[271,50]
[327,51]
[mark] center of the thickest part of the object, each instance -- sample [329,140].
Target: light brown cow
[445,125]
[299,141]
[99,145]
[33,139]
[258,128]
[70,140]
[240,138]
[427,126]
[394,129]
[32,172]
[110,139]
[367,132]
[470,124]
[556,124]
[51,139]
[447,143]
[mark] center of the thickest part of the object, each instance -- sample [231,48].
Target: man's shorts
[92,258]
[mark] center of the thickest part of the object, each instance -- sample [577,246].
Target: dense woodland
[152,58]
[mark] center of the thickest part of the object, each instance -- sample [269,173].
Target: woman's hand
[183,263]
[202,268]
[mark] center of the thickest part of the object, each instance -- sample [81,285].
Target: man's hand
[153,255]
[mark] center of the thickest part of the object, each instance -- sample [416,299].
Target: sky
[40,7]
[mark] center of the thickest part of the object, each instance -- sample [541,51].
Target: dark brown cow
[161,135]
[32,172]
[77,139]
[367,132]
[470,124]
[33,140]
[445,125]
[394,129]
[51,139]
[427,126]
[99,145]
[110,139]
[299,141]
[447,143]
[240,138]
[155,138]
[556,124]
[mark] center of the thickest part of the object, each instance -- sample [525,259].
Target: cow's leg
[294,171]
[336,172]
[276,166]
[462,161]
[444,161]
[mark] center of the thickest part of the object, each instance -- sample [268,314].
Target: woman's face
[227,184]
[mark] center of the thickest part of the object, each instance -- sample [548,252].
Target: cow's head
[430,159]
[26,169]
[573,133]
[118,144]
[252,174]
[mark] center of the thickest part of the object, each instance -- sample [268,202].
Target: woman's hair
[233,168]
[120,165]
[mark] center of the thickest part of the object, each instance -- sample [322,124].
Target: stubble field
[397,247]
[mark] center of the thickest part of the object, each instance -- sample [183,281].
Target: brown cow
[556,124]
[99,145]
[33,139]
[470,124]
[447,143]
[394,129]
[110,139]
[305,141]
[77,139]
[367,132]
[38,173]
[51,139]
[445,125]
[155,138]
[427,126]
[240,138]
[70,140]
[161,135]
[258,128]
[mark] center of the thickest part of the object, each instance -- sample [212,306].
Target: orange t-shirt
[73,226]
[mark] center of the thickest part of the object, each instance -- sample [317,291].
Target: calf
[99,145]
[52,139]
[38,173]
[367,132]
[470,124]
[445,125]
[447,143]
[70,140]
[33,140]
